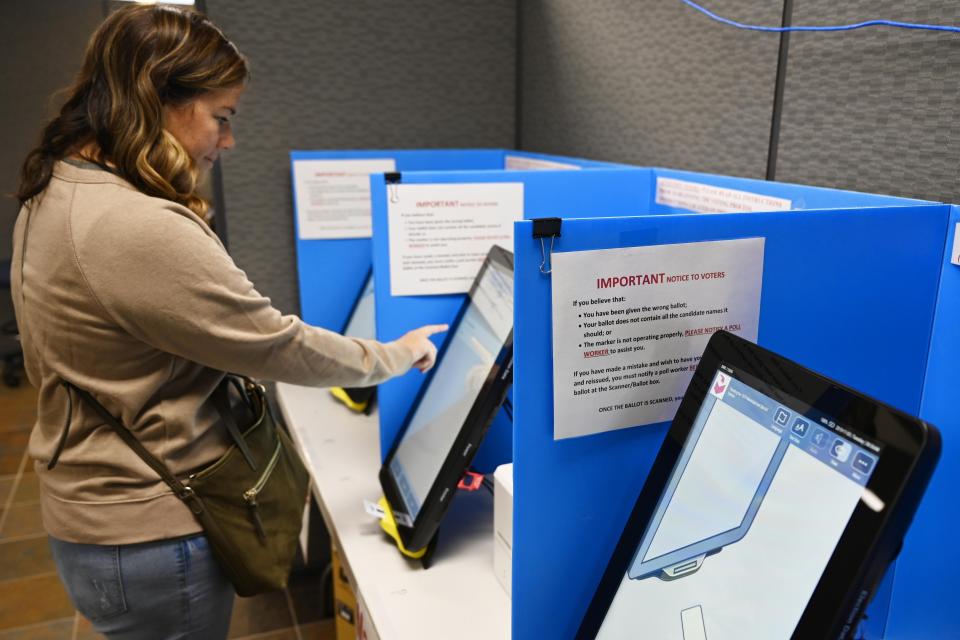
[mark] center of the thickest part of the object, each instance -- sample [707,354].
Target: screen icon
[800,428]
[820,438]
[862,462]
[840,450]
[781,417]
[720,384]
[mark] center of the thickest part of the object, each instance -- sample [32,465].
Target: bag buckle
[189,496]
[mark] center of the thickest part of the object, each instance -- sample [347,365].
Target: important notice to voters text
[333,197]
[630,324]
[439,234]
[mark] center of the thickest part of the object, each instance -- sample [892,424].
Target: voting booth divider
[857,287]
[850,288]
[600,191]
[923,602]
[331,271]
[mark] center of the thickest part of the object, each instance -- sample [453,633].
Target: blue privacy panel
[849,293]
[927,578]
[331,272]
[597,192]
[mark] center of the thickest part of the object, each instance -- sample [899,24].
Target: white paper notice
[705,198]
[524,163]
[630,325]
[440,233]
[333,197]
[955,256]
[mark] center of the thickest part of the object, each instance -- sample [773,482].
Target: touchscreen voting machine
[455,406]
[773,509]
[360,324]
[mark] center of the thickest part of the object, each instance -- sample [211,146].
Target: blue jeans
[169,589]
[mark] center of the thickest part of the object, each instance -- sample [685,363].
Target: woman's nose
[226,139]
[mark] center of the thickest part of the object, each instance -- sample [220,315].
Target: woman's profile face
[203,126]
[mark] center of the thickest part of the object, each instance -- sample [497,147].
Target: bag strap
[66,428]
[221,401]
[182,491]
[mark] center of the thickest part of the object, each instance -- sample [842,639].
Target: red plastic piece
[470,481]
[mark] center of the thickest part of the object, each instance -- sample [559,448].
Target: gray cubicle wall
[648,82]
[876,109]
[347,75]
[653,82]
[43,46]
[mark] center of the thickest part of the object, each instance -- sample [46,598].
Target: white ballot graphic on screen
[439,234]
[692,621]
[333,197]
[630,324]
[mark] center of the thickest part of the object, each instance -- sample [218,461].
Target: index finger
[430,329]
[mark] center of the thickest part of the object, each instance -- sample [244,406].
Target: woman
[122,289]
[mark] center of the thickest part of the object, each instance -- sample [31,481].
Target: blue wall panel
[926,584]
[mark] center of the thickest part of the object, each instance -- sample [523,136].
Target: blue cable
[842,27]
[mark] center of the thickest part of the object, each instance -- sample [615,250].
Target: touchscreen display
[362,322]
[751,514]
[474,345]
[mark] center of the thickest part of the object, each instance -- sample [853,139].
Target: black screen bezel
[361,395]
[474,426]
[869,541]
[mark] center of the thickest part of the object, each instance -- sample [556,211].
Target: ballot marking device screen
[462,395]
[750,516]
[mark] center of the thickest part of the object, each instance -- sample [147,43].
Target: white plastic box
[503,525]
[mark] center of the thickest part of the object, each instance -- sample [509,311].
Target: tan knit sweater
[134,299]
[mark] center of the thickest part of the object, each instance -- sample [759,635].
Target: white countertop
[458,596]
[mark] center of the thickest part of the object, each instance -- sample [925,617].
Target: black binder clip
[392,179]
[544,228]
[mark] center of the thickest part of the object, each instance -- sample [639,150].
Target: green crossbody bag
[249,501]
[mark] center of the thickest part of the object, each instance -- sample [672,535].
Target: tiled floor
[33,603]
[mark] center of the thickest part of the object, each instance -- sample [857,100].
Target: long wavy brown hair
[141,59]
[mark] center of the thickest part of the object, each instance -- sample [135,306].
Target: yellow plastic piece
[389,525]
[341,395]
